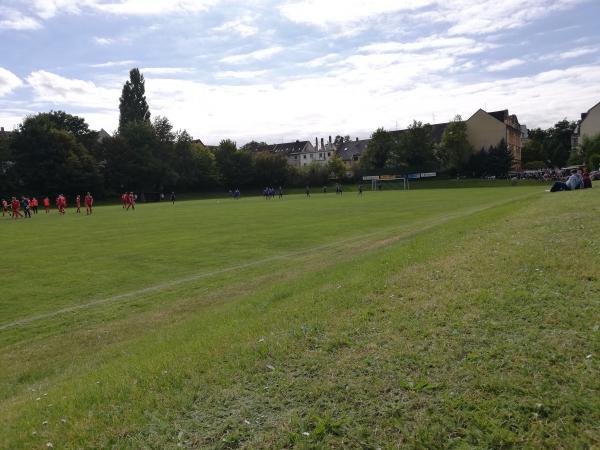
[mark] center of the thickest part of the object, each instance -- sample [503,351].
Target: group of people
[128,200]
[579,179]
[24,207]
[270,192]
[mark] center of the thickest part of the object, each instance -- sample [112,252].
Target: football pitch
[442,318]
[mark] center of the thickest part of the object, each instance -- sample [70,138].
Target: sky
[278,71]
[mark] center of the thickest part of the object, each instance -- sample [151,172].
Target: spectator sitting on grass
[587,180]
[572,183]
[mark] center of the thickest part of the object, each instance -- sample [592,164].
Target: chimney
[357,139]
[322,144]
[330,141]
[316,143]
[1,129]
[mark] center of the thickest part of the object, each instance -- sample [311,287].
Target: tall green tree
[133,106]
[49,158]
[558,142]
[500,160]
[336,167]
[454,149]
[235,167]
[270,169]
[378,150]
[415,149]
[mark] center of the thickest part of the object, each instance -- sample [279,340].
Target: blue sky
[296,69]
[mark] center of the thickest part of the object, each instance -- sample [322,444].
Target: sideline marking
[162,286]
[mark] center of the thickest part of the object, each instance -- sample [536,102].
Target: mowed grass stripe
[413,228]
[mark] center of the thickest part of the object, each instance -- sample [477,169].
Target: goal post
[380,182]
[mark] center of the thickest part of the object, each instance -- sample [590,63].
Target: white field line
[416,229]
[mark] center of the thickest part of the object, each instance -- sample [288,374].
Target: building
[349,152]
[298,153]
[485,130]
[589,125]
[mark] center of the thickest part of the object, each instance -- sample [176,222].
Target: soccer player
[125,200]
[131,201]
[360,190]
[307,191]
[34,205]
[47,204]
[78,204]
[14,204]
[25,205]
[89,201]
[280,192]
[61,204]
[4,207]
[173,197]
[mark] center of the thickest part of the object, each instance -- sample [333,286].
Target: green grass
[422,319]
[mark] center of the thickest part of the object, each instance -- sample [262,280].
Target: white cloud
[55,89]
[505,65]
[152,7]
[8,82]
[103,40]
[258,55]
[165,70]
[241,26]
[241,75]
[128,62]
[576,53]
[464,17]
[11,19]
[327,12]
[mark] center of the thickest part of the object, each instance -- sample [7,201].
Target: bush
[593,162]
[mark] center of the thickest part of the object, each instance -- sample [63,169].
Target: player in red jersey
[4,207]
[89,201]
[125,200]
[78,204]
[131,201]
[15,208]
[47,204]
[61,204]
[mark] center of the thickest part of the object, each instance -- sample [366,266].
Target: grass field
[446,318]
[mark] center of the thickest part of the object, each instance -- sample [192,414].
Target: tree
[132,104]
[48,157]
[558,142]
[253,146]
[192,164]
[378,150]
[415,150]
[134,159]
[589,148]
[336,167]
[535,149]
[163,130]
[314,174]
[454,149]
[235,167]
[270,169]
[500,160]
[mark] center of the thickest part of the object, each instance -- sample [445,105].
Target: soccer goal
[387,182]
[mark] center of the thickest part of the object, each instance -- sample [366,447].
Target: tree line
[56,152]
[415,150]
[553,147]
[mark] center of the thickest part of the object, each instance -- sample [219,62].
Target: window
[304,156]
[328,153]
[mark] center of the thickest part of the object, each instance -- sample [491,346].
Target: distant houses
[487,129]
[484,130]
[588,126]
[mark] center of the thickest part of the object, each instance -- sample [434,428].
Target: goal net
[387,182]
